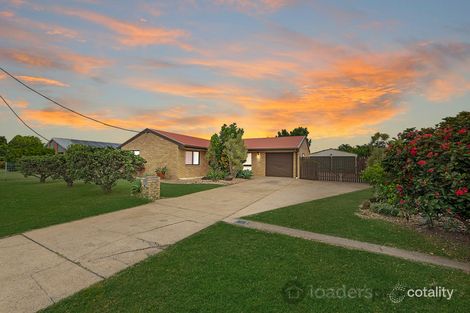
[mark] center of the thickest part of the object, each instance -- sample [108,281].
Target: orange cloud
[132,34]
[447,87]
[41,81]
[57,59]
[255,6]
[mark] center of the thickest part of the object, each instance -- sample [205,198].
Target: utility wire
[66,108]
[22,121]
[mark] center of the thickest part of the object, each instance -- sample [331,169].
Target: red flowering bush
[430,169]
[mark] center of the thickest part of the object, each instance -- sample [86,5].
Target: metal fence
[334,168]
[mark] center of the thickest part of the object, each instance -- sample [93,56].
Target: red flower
[421,162]
[430,154]
[445,146]
[399,188]
[430,170]
[402,201]
[413,151]
[463,131]
[461,191]
[427,135]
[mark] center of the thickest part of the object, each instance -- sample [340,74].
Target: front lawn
[336,216]
[26,204]
[230,269]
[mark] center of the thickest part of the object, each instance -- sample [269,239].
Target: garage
[279,164]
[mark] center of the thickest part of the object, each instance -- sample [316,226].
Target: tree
[40,166]
[63,169]
[3,140]
[236,153]
[103,167]
[216,156]
[298,131]
[3,148]
[21,146]
[378,140]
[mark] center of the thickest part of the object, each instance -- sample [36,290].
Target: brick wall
[157,152]
[191,171]
[258,164]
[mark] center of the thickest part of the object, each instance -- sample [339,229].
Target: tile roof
[273,143]
[184,140]
[289,142]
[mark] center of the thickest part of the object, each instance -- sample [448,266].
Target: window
[136,152]
[192,158]
[247,164]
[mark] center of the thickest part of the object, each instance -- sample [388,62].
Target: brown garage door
[279,164]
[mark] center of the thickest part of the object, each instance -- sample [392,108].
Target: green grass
[229,269]
[336,216]
[27,204]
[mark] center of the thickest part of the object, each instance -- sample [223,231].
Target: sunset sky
[344,69]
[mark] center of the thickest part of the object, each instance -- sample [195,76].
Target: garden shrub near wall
[429,169]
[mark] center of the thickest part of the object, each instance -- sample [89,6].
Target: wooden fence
[343,169]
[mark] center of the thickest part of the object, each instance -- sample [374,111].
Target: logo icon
[398,293]
[293,292]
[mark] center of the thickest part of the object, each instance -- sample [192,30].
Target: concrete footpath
[354,244]
[40,267]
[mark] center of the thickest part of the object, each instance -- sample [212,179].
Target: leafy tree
[103,167]
[40,166]
[63,169]
[21,146]
[3,140]
[298,131]
[3,148]
[214,152]
[236,152]
[378,140]
[216,156]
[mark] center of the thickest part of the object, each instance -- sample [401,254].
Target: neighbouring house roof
[332,152]
[275,143]
[65,143]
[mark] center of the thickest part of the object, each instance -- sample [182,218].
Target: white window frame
[195,156]
[247,165]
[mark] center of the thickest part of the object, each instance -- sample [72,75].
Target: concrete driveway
[42,266]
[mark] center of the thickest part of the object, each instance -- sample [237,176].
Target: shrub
[136,187]
[374,174]
[216,174]
[430,169]
[384,208]
[41,167]
[104,167]
[63,169]
[245,174]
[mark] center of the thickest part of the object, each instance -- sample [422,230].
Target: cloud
[34,80]
[445,88]
[56,59]
[254,6]
[130,34]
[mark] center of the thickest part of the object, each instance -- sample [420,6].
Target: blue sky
[344,69]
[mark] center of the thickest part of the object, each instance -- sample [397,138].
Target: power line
[22,121]
[66,108]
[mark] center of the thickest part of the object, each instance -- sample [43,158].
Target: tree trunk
[69,183]
[42,179]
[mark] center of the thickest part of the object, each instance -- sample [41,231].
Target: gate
[334,168]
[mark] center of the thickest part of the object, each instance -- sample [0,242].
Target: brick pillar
[150,187]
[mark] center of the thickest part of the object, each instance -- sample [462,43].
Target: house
[60,145]
[332,153]
[185,156]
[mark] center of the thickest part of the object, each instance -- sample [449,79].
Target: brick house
[185,156]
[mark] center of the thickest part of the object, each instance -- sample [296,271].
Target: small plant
[161,171]
[216,174]
[245,174]
[136,187]
[384,208]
